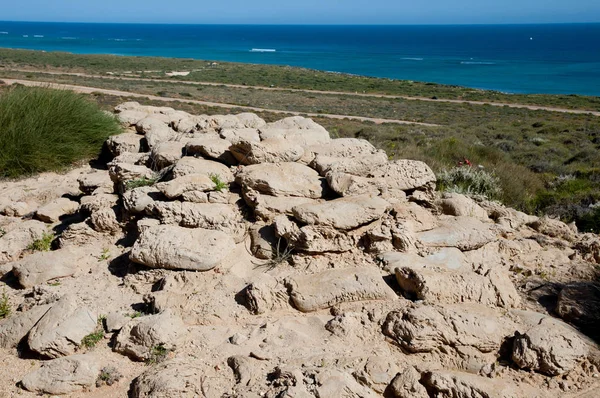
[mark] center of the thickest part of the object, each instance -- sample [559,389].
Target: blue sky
[304,11]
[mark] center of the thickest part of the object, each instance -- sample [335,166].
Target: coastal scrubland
[546,162]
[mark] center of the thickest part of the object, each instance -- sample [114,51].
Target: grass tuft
[42,244]
[140,182]
[43,129]
[220,185]
[94,338]
[5,309]
[158,354]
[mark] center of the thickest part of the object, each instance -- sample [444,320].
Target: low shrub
[470,181]
[43,244]
[4,306]
[43,129]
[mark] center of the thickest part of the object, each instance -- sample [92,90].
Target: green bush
[470,181]
[43,129]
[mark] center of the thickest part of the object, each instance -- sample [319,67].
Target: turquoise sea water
[555,58]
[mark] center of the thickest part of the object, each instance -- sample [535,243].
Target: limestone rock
[436,285]
[550,347]
[92,203]
[406,175]
[554,228]
[53,211]
[106,220]
[138,337]
[265,295]
[363,165]
[88,183]
[328,288]
[344,148]
[191,182]
[446,258]
[315,238]
[126,172]
[264,242]
[15,328]
[377,373]
[267,207]
[173,247]
[126,142]
[343,213]
[63,375]
[16,209]
[271,150]
[41,267]
[211,148]
[60,331]
[141,199]
[166,154]
[333,383]
[424,328]
[455,204]
[466,385]
[464,233]
[240,134]
[155,130]
[297,129]
[282,179]
[18,239]
[407,384]
[178,377]
[192,165]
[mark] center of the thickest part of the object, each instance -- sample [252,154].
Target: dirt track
[89,90]
[409,98]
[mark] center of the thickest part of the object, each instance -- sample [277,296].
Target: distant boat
[263,50]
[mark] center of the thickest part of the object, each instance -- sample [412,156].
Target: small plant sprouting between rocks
[94,338]
[158,354]
[282,254]
[220,185]
[4,306]
[136,314]
[109,375]
[42,244]
[469,181]
[2,232]
[140,182]
[105,255]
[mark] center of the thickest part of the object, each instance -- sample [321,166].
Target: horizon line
[305,24]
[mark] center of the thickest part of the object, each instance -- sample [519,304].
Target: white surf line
[298,90]
[90,90]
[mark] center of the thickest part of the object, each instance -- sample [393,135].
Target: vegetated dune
[226,256]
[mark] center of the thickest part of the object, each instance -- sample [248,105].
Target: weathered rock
[131,117]
[88,183]
[271,150]
[155,130]
[244,369]
[265,295]
[446,258]
[79,234]
[335,384]
[15,328]
[139,336]
[106,220]
[191,182]
[363,165]
[141,199]
[454,204]
[216,216]
[343,213]
[178,377]
[344,148]
[464,233]
[414,217]
[16,209]
[346,184]
[554,228]
[436,285]
[588,245]
[268,207]
[424,328]
[407,384]
[92,203]
[53,211]
[141,158]
[466,385]
[63,375]
[126,172]
[241,134]
[127,142]
[115,321]
[264,242]
[18,239]
[166,154]
[326,289]
[60,331]
[550,347]
[296,129]
[579,303]
[406,175]
[211,147]
[41,267]
[192,165]
[377,373]
[314,238]
[172,247]
[282,179]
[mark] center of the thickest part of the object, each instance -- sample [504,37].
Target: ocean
[552,58]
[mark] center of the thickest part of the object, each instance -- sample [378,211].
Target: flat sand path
[89,90]
[409,98]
